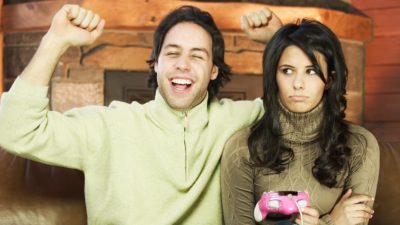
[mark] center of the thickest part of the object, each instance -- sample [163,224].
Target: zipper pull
[185,120]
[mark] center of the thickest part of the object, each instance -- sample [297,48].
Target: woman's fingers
[310,216]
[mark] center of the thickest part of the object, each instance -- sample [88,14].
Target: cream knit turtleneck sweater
[243,185]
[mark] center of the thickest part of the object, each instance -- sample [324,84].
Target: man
[156,163]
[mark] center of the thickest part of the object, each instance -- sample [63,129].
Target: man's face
[184,67]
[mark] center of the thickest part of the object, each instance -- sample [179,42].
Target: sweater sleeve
[29,129]
[237,182]
[365,169]
[363,177]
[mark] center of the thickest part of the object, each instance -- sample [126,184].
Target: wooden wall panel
[382,107]
[1,49]
[1,63]
[382,79]
[382,72]
[375,4]
[384,51]
[386,21]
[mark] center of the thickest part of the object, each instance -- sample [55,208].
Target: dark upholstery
[387,208]
[33,193]
[36,194]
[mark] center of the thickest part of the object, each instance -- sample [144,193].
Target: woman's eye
[287,71]
[311,72]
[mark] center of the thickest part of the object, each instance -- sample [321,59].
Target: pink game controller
[282,202]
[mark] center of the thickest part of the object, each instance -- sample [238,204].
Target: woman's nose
[298,82]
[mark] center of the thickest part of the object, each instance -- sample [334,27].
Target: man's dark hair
[204,19]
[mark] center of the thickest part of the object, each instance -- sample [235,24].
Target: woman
[303,143]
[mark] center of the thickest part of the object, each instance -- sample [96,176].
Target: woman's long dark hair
[265,140]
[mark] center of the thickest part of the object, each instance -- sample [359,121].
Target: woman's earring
[330,80]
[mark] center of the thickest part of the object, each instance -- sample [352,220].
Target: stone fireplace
[114,67]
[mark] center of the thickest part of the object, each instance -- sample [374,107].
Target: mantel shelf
[146,14]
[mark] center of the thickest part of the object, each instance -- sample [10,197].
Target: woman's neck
[300,128]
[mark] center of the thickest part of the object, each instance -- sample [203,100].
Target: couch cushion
[386,206]
[33,193]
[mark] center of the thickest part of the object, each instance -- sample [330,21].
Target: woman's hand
[310,216]
[352,209]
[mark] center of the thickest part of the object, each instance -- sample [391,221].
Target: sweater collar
[168,118]
[300,128]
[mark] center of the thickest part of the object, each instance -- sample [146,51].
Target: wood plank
[384,131]
[355,106]
[383,51]
[245,62]
[374,4]
[382,71]
[386,21]
[1,48]
[382,108]
[144,14]
[382,85]
[119,58]
[382,79]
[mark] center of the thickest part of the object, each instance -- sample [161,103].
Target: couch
[35,194]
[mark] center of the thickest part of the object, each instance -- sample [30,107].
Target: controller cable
[300,211]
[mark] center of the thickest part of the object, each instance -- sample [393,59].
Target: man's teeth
[181,81]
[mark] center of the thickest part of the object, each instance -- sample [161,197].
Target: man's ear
[214,72]
[156,67]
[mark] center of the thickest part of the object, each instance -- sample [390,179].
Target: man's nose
[182,63]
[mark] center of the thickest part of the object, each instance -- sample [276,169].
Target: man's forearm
[41,67]
[71,26]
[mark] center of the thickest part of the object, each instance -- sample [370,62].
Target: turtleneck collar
[168,118]
[300,128]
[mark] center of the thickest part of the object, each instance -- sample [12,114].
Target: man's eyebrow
[192,50]
[201,50]
[172,46]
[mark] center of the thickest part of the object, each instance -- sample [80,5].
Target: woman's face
[300,87]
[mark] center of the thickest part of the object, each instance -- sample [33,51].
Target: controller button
[273,204]
[302,203]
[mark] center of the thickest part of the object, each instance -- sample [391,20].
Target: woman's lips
[298,98]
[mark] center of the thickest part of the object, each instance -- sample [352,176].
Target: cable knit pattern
[243,185]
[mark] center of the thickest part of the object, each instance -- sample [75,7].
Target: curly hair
[265,142]
[204,19]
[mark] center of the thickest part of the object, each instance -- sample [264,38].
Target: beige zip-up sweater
[143,164]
